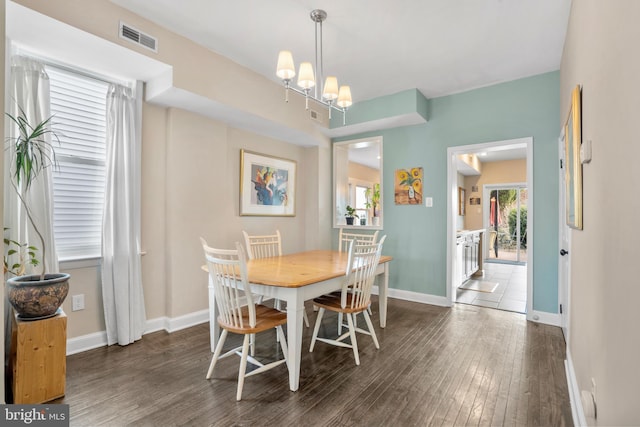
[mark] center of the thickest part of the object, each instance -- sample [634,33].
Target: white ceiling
[380,47]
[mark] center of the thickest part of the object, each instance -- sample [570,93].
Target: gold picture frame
[267,185]
[461,201]
[573,165]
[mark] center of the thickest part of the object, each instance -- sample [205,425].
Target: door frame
[452,197]
[564,242]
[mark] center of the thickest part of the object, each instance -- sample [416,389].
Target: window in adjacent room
[361,201]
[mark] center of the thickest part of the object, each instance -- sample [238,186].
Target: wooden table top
[299,269]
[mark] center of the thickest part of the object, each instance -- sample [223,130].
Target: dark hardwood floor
[436,366]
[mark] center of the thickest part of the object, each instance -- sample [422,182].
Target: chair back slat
[263,246]
[345,237]
[228,273]
[361,270]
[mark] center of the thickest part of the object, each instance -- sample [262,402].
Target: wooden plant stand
[39,359]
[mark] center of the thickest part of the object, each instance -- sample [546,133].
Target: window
[361,201]
[78,106]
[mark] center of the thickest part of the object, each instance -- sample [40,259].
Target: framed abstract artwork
[267,185]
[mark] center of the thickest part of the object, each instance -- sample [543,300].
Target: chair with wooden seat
[266,246]
[354,297]
[345,237]
[237,311]
[343,244]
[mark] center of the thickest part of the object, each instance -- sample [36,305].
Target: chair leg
[216,353]
[352,334]
[243,366]
[283,344]
[371,330]
[252,344]
[305,317]
[339,324]
[316,328]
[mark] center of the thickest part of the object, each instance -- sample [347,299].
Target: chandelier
[330,96]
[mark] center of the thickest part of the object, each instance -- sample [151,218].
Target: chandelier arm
[287,86]
[319,101]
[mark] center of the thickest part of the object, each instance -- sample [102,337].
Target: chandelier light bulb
[344,97]
[286,69]
[306,79]
[330,92]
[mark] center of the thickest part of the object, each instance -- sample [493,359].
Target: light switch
[428,202]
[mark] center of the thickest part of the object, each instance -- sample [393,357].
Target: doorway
[505,220]
[523,197]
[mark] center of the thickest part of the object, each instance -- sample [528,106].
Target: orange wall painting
[408,186]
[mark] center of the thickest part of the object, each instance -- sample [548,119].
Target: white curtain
[29,91]
[121,276]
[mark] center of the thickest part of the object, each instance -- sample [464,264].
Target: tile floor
[511,293]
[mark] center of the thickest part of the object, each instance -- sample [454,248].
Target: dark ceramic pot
[349,220]
[33,298]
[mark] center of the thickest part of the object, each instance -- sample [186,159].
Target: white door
[564,246]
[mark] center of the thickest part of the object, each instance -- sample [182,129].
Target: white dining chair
[354,297]
[263,246]
[266,246]
[346,236]
[237,311]
[343,243]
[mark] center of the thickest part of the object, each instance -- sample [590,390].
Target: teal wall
[409,101]
[416,235]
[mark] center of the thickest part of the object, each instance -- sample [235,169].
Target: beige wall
[363,173]
[190,170]
[505,172]
[601,54]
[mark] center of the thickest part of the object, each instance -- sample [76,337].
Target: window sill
[77,263]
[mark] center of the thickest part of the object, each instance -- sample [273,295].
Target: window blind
[78,106]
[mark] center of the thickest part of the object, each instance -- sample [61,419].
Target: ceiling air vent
[138,37]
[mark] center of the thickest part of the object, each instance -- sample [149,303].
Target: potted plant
[350,215]
[26,255]
[35,295]
[373,201]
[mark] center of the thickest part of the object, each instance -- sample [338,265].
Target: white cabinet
[458,271]
[468,255]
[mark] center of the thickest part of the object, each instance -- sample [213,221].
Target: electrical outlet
[77,302]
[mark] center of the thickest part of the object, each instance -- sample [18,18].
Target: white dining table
[297,278]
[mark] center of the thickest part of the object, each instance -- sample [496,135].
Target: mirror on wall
[357,177]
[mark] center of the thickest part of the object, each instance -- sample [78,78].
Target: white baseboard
[86,342]
[577,411]
[99,339]
[415,297]
[553,319]
[188,320]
